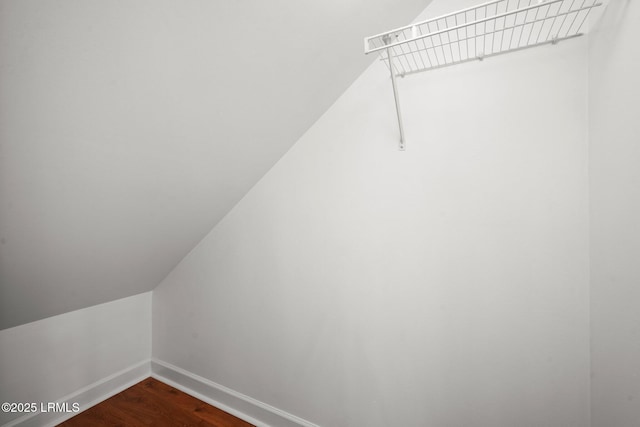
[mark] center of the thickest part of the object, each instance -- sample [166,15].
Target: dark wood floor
[153,403]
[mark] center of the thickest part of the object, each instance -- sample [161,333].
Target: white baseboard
[87,396]
[237,404]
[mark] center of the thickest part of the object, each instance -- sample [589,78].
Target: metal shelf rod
[396,98]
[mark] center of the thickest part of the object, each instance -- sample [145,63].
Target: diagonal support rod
[395,97]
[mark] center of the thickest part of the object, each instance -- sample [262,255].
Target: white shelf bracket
[402,143]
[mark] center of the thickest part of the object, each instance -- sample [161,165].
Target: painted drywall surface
[49,359]
[614,135]
[442,286]
[128,129]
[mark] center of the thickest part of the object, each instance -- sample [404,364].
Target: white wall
[123,129]
[52,358]
[614,135]
[444,286]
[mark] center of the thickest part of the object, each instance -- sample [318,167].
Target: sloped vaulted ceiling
[129,128]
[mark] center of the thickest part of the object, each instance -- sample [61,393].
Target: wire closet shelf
[475,33]
[479,32]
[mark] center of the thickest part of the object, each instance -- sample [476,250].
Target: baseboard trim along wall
[87,396]
[237,404]
[231,401]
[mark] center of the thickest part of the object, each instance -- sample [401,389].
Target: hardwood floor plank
[101,415]
[142,408]
[153,403]
[190,404]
